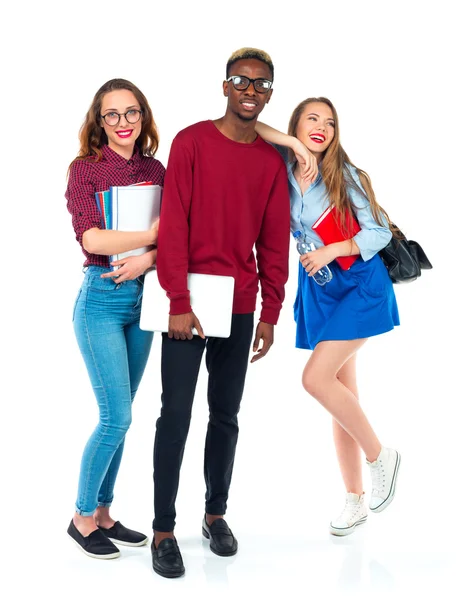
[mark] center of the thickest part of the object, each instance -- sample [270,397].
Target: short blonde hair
[246,53]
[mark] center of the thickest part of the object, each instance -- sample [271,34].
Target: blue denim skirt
[355,304]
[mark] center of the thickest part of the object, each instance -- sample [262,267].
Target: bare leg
[347,450]
[85,525]
[210,519]
[320,380]
[102,517]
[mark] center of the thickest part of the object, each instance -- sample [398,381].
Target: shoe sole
[390,497]
[168,575]
[100,556]
[207,536]
[132,544]
[347,530]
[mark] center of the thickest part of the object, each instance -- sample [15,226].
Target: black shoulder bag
[404,259]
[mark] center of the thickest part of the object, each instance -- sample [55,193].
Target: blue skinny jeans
[115,350]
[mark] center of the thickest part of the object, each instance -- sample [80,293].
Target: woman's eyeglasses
[112,118]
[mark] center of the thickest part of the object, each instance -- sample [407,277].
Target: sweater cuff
[181,305]
[270,315]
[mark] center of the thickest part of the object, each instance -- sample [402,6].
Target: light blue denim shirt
[305,210]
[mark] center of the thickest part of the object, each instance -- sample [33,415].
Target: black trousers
[227,362]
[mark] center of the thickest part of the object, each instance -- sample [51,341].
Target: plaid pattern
[87,177]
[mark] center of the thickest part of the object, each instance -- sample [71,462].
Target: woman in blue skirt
[334,320]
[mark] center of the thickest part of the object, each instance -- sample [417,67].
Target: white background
[390,69]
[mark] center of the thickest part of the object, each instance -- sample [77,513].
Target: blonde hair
[247,53]
[336,174]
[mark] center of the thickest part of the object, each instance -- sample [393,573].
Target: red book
[329,230]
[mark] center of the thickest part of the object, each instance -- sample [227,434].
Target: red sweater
[220,199]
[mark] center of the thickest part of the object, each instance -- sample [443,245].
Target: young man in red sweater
[225,192]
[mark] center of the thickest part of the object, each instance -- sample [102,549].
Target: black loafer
[167,559]
[122,535]
[96,545]
[222,540]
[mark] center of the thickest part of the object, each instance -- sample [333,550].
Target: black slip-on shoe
[122,535]
[222,540]
[167,559]
[96,545]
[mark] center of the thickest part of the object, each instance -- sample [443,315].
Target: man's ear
[269,95]
[225,88]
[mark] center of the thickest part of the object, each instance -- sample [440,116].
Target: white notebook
[134,208]
[211,297]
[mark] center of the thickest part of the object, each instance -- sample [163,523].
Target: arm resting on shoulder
[306,160]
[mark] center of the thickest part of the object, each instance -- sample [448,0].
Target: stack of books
[129,208]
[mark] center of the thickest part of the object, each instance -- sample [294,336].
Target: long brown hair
[336,175]
[92,135]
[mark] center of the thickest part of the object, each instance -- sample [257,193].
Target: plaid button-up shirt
[87,177]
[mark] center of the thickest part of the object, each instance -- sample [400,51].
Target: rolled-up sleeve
[372,237]
[81,200]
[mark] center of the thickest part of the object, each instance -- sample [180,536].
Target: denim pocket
[101,284]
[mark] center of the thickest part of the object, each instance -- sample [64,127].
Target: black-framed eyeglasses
[132,116]
[241,83]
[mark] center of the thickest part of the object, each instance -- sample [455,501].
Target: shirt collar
[118,161]
[292,178]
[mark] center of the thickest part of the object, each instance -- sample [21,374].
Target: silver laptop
[211,298]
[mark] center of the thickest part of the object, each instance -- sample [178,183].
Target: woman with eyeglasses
[118,141]
[335,319]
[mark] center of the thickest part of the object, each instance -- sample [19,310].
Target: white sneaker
[354,513]
[383,478]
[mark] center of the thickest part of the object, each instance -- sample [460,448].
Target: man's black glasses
[240,83]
